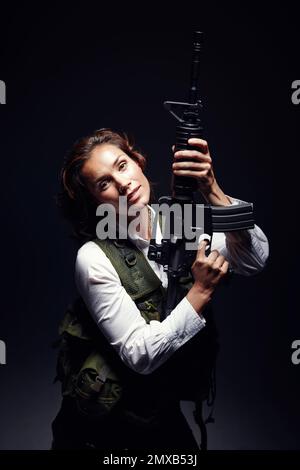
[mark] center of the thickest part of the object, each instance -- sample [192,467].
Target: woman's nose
[123,185]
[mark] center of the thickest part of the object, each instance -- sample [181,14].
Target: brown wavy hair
[74,199]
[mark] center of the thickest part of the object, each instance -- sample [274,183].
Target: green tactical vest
[92,372]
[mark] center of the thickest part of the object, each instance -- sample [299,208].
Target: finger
[186,154]
[194,174]
[173,148]
[224,267]
[191,166]
[214,254]
[201,248]
[201,142]
[219,261]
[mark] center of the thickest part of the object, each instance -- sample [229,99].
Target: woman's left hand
[201,169]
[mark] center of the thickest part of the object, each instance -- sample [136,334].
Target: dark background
[70,71]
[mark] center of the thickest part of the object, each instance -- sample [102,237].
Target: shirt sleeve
[246,251]
[142,347]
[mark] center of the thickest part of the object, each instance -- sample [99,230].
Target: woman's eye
[103,184]
[122,165]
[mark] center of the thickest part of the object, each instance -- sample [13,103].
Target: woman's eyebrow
[114,164]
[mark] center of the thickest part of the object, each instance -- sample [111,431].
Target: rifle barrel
[197,46]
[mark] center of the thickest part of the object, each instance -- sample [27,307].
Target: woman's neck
[144,226]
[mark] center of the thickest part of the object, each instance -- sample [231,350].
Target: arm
[142,347]
[247,251]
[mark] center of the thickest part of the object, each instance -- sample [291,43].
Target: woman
[99,169]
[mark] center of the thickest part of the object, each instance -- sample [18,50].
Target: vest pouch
[97,389]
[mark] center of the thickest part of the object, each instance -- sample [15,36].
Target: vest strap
[130,262]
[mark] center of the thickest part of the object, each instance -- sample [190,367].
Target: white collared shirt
[144,347]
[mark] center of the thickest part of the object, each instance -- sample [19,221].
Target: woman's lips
[135,195]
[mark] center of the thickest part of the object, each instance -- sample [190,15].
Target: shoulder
[89,252]
[91,260]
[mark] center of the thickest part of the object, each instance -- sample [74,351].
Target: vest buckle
[130,259]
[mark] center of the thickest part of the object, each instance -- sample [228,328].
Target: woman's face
[109,173]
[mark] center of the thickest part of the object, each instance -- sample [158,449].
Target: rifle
[204,219]
[171,252]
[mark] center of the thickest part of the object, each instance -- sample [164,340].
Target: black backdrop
[70,71]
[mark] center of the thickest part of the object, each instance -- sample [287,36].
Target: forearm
[198,297]
[247,251]
[215,196]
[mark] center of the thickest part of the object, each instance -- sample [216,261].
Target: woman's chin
[139,204]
